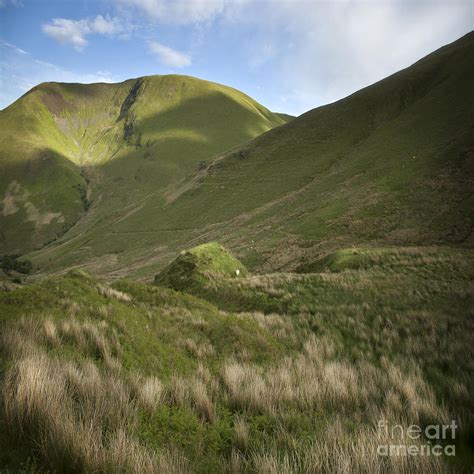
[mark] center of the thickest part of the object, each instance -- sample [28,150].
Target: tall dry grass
[193,392]
[342,451]
[110,292]
[319,381]
[78,416]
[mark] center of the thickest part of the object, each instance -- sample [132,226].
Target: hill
[66,148]
[391,164]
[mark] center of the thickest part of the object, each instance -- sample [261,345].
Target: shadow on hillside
[43,195]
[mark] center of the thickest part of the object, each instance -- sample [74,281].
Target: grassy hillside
[71,149]
[391,164]
[267,373]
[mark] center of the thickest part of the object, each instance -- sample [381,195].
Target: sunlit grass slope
[286,373]
[65,147]
[390,164]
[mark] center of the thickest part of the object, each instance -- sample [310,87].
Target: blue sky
[290,55]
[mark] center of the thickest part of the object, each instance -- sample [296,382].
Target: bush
[10,263]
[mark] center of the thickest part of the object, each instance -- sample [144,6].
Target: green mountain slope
[390,164]
[64,146]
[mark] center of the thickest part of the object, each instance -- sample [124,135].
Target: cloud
[177,11]
[17,50]
[262,54]
[344,46]
[169,56]
[105,26]
[68,31]
[74,32]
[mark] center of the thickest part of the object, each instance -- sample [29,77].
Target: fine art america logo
[433,440]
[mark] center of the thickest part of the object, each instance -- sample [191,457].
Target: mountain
[390,164]
[65,147]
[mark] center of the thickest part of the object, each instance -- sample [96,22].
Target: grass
[295,385]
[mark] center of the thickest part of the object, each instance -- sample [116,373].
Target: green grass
[259,371]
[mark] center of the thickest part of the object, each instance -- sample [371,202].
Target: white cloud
[178,11]
[262,54]
[344,46]
[68,31]
[17,50]
[105,26]
[169,56]
[74,32]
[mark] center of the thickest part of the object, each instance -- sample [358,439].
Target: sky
[290,55]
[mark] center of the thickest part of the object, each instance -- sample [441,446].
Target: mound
[199,265]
